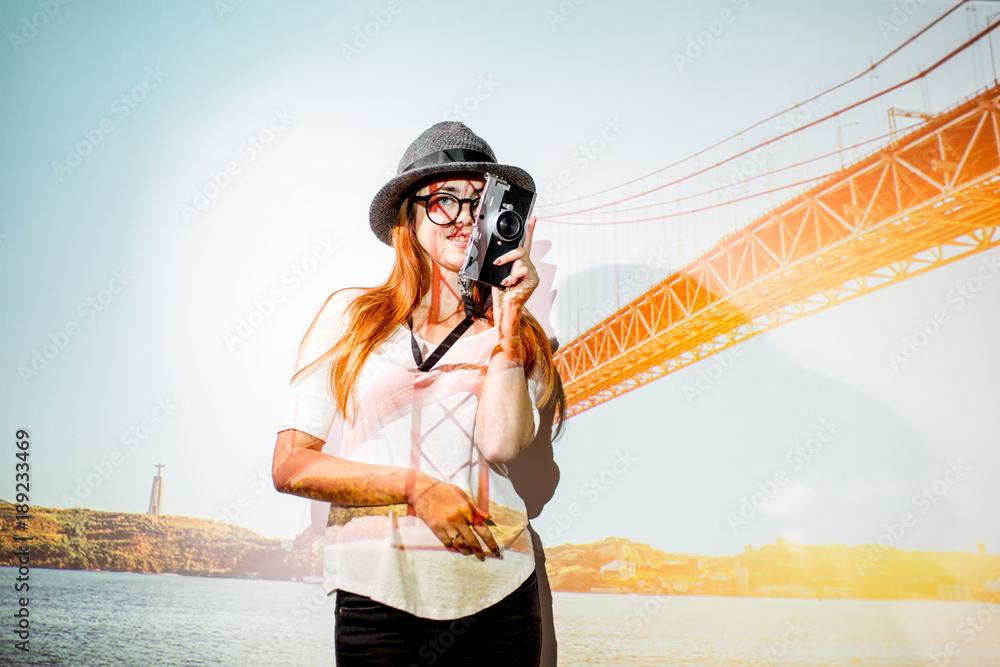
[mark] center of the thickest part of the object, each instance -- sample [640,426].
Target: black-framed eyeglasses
[443,209]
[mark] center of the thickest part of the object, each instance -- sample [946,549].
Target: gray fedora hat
[443,148]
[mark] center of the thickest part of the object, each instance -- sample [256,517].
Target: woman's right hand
[302,469]
[453,517]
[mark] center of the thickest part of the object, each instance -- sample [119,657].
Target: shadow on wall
[535,475]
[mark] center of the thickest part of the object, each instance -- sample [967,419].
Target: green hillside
[81,539]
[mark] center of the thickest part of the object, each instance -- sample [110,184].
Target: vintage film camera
[501,221]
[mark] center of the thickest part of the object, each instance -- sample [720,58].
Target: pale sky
[230,159]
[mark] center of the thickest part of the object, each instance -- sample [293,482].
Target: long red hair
[376,313]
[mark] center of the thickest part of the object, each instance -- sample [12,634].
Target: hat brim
[385,206]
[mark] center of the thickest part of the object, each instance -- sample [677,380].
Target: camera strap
[474,309]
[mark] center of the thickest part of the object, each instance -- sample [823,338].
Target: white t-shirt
[413,419]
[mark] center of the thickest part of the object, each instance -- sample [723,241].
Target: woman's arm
[505,419]
[300,468]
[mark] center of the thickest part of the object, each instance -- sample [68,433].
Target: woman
[427,542]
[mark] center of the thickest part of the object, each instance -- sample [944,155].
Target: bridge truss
[929,198]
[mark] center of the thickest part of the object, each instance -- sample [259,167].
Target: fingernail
[496,261]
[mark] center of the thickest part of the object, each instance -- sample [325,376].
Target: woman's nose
[463,217]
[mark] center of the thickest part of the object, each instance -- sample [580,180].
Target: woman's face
[445,245]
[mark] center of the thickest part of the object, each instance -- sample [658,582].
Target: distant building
[616,576]
[618,568]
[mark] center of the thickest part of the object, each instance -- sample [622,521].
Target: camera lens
[509,225]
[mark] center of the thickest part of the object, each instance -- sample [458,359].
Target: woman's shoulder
[346,295]
[336,304]
[332,319]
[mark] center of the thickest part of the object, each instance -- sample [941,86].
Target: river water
[110,618]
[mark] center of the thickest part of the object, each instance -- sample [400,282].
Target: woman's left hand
[523,278]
